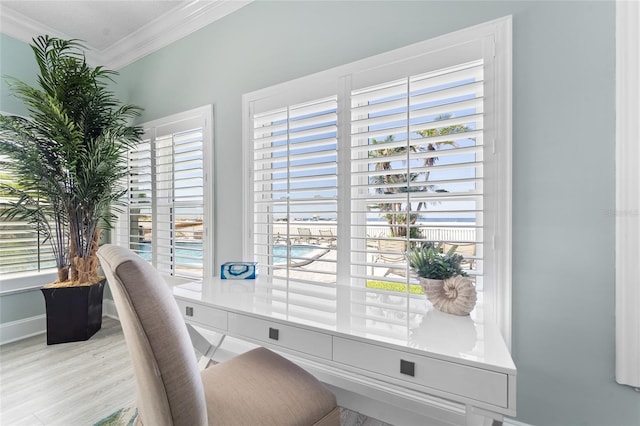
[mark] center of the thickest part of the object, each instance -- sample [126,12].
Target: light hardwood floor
[77,384]
[68,384]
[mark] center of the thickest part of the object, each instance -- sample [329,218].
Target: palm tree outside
[401,215]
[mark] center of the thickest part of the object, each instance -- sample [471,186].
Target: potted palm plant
[443,280]
[67,164]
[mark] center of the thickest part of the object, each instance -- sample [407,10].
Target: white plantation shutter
[21,248]
[180,203]
[166,217]
[295,192]
[416,153]
[140,199]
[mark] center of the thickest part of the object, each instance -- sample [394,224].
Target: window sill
[25,281]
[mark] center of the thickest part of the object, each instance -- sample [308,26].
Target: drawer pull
[407,367]
[189,311]
[273,333]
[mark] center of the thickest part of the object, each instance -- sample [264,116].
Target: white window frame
[204,114]
[497,297]
[627,212]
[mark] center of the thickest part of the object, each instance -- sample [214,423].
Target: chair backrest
[304,232]
[168,383]
[466,249]
[392,251]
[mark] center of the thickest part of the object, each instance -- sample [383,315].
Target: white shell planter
[456,295]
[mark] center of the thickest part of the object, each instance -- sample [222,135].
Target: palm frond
[71,150]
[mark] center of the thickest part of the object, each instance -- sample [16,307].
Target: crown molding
[172,26]
[165,30]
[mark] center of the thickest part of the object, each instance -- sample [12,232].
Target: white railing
[445,232]
[450,234]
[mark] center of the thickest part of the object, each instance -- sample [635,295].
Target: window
[167,215]
[416,170]
[351,168]
[22,248]
[295,190]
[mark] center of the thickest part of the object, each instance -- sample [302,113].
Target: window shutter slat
[295,191]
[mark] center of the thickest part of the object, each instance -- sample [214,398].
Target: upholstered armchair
[258,387]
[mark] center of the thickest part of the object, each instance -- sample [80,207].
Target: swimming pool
[187,252]
[190,253]
[297,252]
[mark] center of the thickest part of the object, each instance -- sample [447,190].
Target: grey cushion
[281,392]
[258,387]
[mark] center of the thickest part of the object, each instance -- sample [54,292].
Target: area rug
[127,417]
[122,417]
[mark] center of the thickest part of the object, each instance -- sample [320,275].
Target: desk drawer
[205,315]
[285,336]
[470,382]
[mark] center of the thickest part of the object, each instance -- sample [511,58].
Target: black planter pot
[74,314]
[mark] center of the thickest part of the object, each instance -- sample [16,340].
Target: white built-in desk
[393,348]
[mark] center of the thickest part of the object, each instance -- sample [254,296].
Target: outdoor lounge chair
[468,250]
[306,236]
[392,252]
[327,235]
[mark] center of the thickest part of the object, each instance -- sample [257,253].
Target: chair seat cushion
[262,388]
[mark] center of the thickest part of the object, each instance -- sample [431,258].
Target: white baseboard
[21,329]
[32,326]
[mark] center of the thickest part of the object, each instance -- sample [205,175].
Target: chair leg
[204,346]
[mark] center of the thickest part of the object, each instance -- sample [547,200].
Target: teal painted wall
[16,60]
[563,159]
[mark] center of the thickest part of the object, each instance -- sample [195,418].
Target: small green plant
[430,262]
